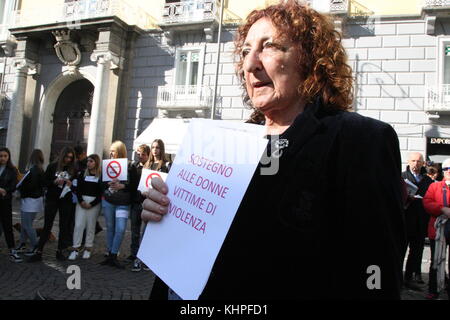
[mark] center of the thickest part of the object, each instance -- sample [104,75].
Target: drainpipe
[213,107]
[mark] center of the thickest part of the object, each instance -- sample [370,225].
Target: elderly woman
[315,229]
[436,202]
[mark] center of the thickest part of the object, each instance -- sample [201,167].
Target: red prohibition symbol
[150,176]
[113,172]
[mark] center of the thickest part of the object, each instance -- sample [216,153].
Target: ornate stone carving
[430,24]
[107,56]
[209,33]
[27,66]
[66,50]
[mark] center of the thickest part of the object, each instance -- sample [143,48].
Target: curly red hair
[322,59]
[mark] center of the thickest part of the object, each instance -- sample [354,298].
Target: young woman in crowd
[8,181]
[58,180]
[89,192]
[31,190]
[157,160]
[116,205]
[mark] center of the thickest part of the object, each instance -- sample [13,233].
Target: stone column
[16,113]
[105,61]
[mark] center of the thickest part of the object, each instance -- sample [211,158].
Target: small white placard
[146,177]
[115,169]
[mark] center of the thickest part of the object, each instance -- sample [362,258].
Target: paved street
[21,281]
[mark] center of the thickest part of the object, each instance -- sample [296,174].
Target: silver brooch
[281,143]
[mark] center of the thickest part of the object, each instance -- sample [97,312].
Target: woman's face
[4,157]
[156,151]
[113,153]
[90,164]
[68,158]
[270,68]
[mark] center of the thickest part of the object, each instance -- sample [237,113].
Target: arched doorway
[72,116]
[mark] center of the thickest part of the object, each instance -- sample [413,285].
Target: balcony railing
[74,12]
[337,6]
[191,11]
[436,3]
[438,98]
[184,97]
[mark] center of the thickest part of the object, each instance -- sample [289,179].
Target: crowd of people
[72,187]
[423,206]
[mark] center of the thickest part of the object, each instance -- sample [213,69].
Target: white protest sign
[207,182]
[115,169]
[146,177]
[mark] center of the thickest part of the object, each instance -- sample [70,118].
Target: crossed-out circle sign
[113,171]
[149,177]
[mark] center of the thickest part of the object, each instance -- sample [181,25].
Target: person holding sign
[89,192]
[143,153]
[310,228]
[58,180]
[117,202]
[8,181]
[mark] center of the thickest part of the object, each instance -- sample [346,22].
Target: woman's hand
[116,185]
[2,192]
[59,182]
[68,183]
[156,203]
[85,205]
[446,211]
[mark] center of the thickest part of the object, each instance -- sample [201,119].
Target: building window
[187,69]
[443,61]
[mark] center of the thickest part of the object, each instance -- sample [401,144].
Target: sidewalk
[21,281]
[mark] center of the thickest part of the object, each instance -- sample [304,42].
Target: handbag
[447,224]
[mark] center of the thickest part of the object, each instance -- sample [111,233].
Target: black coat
[54,191]
[313,230]
[415,215]
[124,196]
[33,184]
[8,181]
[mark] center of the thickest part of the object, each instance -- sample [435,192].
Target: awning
[170,131]
[438,158]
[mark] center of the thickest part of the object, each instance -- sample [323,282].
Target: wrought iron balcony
[75,12]
[438,98]
[436,3]
[184,97]
[191,11]
[339,6]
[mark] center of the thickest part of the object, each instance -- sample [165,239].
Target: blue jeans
[115,226]
[27,230]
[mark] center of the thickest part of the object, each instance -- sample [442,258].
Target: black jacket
[315,229]
[123,196]
[33,184]
[137,197]
[54,191]
[89,188]
[416,216]
[8,181]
